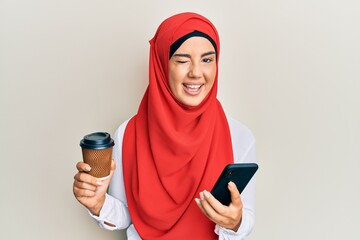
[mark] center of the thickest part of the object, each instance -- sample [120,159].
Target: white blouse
[115,209]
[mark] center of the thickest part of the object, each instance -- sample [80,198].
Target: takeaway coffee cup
[97,152]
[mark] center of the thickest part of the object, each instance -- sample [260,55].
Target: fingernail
[197,200]
[202,196]
[231,184]
[207,194]
[87,168]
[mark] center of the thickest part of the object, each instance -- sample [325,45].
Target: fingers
[211,207]
[211,204]
[83,167]
[197,200]
[226,216]
[83,176]
[81,192]
[88,190]
[84,186]
[88,179]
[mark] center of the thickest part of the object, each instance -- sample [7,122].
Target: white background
[288,69]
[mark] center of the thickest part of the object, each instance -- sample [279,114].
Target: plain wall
[289,70]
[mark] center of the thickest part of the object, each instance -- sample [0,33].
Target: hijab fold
[171,151]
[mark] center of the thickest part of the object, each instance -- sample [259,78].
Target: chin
[192,103]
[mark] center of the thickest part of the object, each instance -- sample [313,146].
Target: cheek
[173,80]
[210,75]
[176,75]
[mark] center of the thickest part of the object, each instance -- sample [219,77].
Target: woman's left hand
[225,216]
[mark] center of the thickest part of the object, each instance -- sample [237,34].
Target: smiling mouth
[192,89]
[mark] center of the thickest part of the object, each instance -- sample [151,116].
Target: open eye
[207,60]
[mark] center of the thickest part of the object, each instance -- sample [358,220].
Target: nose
[195,70]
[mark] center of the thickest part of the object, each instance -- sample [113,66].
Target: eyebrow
[188,55]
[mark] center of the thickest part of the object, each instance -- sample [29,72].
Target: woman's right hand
[90,191]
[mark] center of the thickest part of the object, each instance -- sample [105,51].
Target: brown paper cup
[99,161]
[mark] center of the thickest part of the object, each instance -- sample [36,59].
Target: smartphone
[239,173]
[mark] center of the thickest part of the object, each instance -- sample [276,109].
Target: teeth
[193,86]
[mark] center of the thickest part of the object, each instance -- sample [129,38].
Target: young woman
[169,155]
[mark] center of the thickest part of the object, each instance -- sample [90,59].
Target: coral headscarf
[171,152]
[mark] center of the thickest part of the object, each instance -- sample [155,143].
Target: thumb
[113,165]
[235,195]
[112,168]
[106,180]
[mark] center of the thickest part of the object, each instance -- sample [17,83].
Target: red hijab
[171,152]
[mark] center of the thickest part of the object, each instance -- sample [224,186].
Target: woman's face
[192,70]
